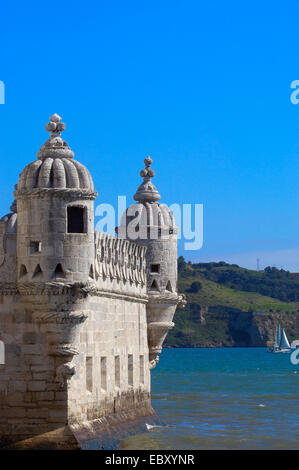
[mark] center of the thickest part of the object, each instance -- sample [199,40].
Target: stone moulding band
[64,193]
[171,299]
[155,349]
[59,288]
[143,299]
[157,298]
[8,288]
[160,325]
[63,350]
[74,318]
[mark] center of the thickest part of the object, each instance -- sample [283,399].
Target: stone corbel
[157,332]
[62,331]
[64,373]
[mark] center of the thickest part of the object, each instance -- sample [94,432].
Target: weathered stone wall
[30,401]
[110,360]
[75,352]
[43,220]
[77,348]
[113,344]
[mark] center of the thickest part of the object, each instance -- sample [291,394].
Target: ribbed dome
[55,167]
[55,173]
[149,214]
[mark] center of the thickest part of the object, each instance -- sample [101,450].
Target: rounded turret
[151,224]
[54,195]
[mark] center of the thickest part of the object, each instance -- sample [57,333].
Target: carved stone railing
[116,258]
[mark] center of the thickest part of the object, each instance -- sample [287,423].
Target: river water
[223,398]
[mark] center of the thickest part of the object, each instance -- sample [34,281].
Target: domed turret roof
[149,215]
[55,166]
[147,212]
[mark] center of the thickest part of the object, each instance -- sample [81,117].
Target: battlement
[120,265]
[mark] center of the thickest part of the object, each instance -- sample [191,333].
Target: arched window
[2,353]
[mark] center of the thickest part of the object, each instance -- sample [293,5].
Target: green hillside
[232,306]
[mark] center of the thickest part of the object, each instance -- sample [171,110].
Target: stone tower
[55,199]
[151,224]
[83,314]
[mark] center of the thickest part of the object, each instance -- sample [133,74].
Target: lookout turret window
[155,268]
[76,219]
[35,247]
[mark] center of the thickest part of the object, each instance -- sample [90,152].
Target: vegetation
[231,306]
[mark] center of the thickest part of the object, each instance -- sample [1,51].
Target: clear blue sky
[203,87]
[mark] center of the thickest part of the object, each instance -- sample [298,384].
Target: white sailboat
[281,342]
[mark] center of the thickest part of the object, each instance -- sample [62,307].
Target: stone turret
[151,224]
[55,198]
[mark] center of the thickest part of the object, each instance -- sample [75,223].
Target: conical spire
[147,192]
[55,146]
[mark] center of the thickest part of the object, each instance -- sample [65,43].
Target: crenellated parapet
[119,259]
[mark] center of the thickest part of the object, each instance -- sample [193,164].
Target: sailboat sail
[284,344]
[277,337]
[281,342]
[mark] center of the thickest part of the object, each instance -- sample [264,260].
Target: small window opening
[130,370]
[2,353]
[89,381]
[104,373]
[23,270]
[154,286]
[155,268]
[59,272]
[141,369]
[35,247]
[37,272]
[76,220]
[168,287]
[117,371]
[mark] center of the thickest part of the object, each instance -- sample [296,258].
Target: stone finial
[147,192]
[55,146]
[55,126]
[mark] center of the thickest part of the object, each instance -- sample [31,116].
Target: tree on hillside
[194,287]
